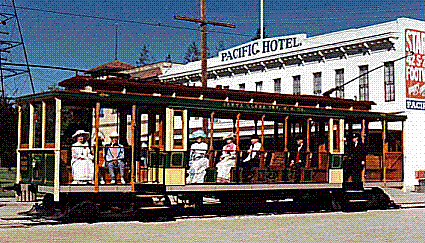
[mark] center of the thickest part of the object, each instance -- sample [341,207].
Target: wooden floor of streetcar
[212,187]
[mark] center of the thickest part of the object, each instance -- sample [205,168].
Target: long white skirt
[82,170]
[224,167]
[197,171]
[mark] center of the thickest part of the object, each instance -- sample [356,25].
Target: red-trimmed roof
[113,65]
[119,84]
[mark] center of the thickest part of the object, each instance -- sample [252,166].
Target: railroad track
[24,222]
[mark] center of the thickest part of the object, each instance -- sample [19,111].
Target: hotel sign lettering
[261,47]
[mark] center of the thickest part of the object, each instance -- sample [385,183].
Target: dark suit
[353,163]
[298,156]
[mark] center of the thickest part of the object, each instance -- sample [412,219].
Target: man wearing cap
[82,159]
[355,159]
[114,156]
[297,158]
[198,161]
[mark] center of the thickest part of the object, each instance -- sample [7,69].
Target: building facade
[382,63]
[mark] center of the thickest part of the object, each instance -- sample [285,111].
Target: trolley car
[154,121]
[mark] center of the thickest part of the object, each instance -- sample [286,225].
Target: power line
[330,91]
[124,20]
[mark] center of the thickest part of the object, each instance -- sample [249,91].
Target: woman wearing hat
[198,162]
[82,159]
[227,160]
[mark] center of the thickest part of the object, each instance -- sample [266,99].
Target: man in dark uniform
[355,159]
[297,158]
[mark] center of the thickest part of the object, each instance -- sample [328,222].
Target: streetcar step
[150,208]
[150,195]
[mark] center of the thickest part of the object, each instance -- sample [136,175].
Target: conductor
[355,159]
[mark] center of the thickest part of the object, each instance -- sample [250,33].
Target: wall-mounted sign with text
[414,72]
[264,47]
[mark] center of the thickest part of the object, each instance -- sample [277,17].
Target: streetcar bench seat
[104,173]
[420,174]
[278,160]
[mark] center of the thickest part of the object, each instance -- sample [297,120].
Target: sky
[81,34]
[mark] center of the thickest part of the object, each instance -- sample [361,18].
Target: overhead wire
[124,20]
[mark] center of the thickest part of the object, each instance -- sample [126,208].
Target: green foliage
[9,130]
[258,34]
[145,57]
[7,178]
[193,54]
[220,47]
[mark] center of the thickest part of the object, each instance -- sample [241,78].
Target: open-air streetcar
[154,121]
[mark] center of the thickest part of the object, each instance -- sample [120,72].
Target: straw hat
[229,136]
[114,134]
[81,132]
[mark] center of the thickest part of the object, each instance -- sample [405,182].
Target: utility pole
[116,41]
[204,22]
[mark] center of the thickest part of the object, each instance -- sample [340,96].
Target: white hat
[81,132]
[198,134]
[228,136]
[114,134]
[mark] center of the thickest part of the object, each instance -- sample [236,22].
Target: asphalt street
[397,225]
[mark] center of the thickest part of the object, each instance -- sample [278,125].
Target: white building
[312,65]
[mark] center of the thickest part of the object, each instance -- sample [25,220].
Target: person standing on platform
[82,159]
[114,156]
[297,158]
[198,162]
[355,160]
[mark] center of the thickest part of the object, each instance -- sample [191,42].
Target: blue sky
[82,42]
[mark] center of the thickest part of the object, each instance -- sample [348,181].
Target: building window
[297,85]
[364,83]
[389,81]
[339,80]
[226,87]
[241,86]
[258,86]
[317,83]
[277,85]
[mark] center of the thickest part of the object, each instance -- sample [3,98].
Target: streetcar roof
[122,91]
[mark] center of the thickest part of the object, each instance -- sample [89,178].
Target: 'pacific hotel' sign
[262,47]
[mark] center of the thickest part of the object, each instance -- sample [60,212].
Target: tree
[9,139]
[168,58]
[192,54]
[258,34]
[220,47]
[145,57]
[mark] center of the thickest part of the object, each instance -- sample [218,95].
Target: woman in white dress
[227,160]
[198,161]
[82,159]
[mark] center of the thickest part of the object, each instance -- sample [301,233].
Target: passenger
[82,159]
[297,158]
[198,161]
[355,160]
[227,160]
[114,156]
[253,158]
